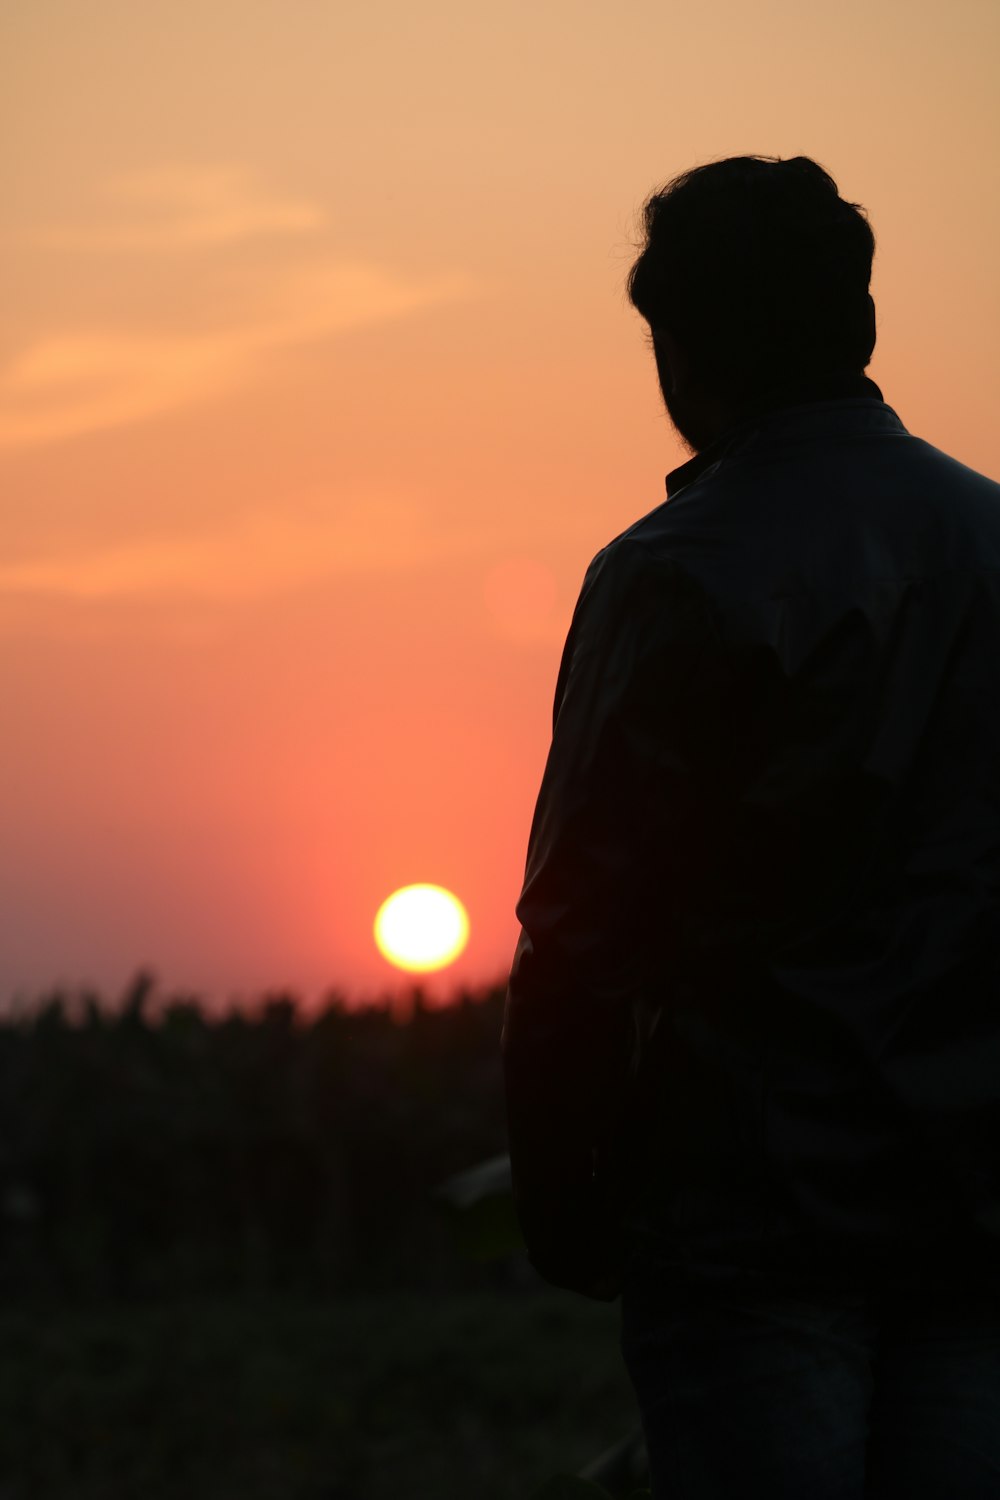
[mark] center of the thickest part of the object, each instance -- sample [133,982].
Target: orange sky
[318,393]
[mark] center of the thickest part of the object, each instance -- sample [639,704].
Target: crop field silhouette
[267,1253]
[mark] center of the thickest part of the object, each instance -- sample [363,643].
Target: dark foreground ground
[371,1397]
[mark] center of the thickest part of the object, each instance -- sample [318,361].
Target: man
[751,1042]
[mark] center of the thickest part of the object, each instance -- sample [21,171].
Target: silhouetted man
[752,1034]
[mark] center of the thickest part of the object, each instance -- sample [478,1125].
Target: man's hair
[760,271]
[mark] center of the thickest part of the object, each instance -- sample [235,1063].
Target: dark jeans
[878,1393]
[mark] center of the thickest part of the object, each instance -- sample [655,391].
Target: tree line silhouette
[158,1150]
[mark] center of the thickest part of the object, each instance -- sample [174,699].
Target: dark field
[367,1399]
[227,1269]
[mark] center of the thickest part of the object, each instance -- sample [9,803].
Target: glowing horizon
[319,392]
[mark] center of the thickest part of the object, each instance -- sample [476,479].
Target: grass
[480,1394]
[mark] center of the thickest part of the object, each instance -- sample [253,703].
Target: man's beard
[694,426]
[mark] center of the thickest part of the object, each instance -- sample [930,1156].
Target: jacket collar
[792,405]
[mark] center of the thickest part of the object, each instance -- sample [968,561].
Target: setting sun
[421,927]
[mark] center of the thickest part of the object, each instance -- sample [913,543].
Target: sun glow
[421,927]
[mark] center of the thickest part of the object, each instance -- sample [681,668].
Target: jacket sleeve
[606,842]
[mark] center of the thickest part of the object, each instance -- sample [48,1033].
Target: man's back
[819,1079]
[751,1043]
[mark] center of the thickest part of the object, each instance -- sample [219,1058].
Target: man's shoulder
[644,543]
[634,555]
[753,523]
[639,577]
[656,556]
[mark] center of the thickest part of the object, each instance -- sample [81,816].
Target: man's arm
[595,908]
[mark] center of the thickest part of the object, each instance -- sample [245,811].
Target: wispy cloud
[179,208]
[261,552]
[82,381]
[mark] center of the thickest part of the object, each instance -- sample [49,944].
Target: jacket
[752,1023]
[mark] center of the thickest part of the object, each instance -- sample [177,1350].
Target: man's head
[753,273]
